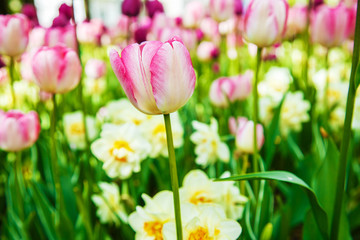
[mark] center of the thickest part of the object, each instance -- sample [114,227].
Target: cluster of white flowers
[129,136]
[208,209]
[209,147]
[110,207]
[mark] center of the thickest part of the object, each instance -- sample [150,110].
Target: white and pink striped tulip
[330,27]
[18,130]
[56,69]
[230,89]
[244,133]
[296,22]
[95,68]
[157,77]
[265,21]
[14,34]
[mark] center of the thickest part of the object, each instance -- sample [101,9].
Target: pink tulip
[157,77]
[14,34]
[18,130]
[194,12]
[95,68]
[90,31]
[56,69]
[64,35]
[296,22]
[230,89]
[222,10]
[207,51]
[265,21]
[330,26]
[244,131]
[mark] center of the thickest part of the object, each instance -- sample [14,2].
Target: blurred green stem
[12,80]
[341,175]
[255,115]
[326,90]
[19,182]
[173,176]
[307,48]
[54,164]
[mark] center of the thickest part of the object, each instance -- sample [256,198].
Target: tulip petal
[69,76]
[172,76]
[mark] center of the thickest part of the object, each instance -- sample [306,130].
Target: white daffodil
[276,84]
[205,222]
[198,189]
[109,205]
[121,149]
[294,111]
[208,148]
[148,221]
[154,130]
[75,131]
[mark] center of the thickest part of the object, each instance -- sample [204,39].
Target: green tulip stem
[173,176]
[12,80]
[341,175]
[54,163]
[255,107]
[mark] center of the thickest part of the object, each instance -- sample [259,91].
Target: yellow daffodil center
[198,197]
[200,234]
[119,145]
[153,229]
[77,128]
[159,129]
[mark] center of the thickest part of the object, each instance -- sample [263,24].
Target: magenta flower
[131,8]
[56,69]
[157,77]
[14,34]
[265,21]
[18,130]
[153,7]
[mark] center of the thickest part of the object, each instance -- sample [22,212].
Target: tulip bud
[245,135]
[140,34]
[330,26]
[153,7]
[230,89]
[64,35]
[265,21]
[95,68]
[56,69]
[222,10]
[157,77]
[207,51]
[131,8]
[14,34]
[194,12]
[18,130]
[238,7]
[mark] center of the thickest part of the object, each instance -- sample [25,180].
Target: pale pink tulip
[95,68]
[194,12]
[90,31]
[330,27]
[230,89]
[56,69]
[265,21]
[18,130]
[64,35]
[14,34]
[296,22]
[157,77]
[207,51]
[222,10]
[244,132]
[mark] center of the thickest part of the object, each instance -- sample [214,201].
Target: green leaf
[320,214]
[44,210]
